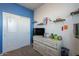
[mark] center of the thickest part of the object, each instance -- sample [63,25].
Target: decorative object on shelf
[59,20]
[46,20]
[55,37]
[65,27]
[51,36]
[75,12]
[46,35]
[62,28]
[59,38]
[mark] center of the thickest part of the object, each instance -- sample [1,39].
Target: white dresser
[46,46]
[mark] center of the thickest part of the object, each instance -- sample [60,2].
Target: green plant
[55,37]
[59,38]
[51,36]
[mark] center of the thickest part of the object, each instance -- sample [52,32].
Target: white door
[16,32]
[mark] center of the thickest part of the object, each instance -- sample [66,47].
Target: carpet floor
[25,51]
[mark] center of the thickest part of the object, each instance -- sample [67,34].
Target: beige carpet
[25,51]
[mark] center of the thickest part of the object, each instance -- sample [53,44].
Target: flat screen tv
[76,30]
[39,31]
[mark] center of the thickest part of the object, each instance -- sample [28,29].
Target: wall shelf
[40,24]
[60,20]
[75,12]
[34,22]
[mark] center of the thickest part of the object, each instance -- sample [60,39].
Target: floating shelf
[75,12]
[40,24]
[60,20]
[34,21]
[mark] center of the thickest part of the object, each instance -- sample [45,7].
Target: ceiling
[31,6]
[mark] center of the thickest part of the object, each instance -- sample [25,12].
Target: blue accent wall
[0,32]
[18,10]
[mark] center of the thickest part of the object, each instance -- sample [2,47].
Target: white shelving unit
[46,46]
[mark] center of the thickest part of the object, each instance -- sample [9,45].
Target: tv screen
[76,30]
[39,31]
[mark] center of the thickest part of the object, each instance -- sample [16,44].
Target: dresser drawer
[51,51]
[39,48]
[44,50]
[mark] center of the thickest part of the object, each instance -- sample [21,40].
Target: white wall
[54,11]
